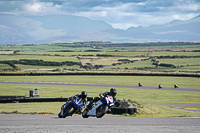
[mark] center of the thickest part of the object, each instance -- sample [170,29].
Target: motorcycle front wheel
[69,111]
[101,111]
[84,114]
[59,115]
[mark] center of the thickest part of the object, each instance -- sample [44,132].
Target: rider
[112,93]
[160,86]
[139,84]
[83,97]
[175,86]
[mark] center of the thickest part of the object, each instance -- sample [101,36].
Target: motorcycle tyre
[103,111]
[69,111]
[59,115]
[84,114]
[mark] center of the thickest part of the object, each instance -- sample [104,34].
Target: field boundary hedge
[105,74]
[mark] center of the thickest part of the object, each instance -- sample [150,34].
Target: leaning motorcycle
[70,107]
[99,108]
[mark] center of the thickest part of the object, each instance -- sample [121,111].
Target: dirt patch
[6,52]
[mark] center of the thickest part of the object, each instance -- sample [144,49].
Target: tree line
[38,63]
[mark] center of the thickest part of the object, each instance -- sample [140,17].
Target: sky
[120,14]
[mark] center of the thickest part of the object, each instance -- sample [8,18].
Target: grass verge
[144,110]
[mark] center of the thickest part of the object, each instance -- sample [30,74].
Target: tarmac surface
[99,85]
[27,123]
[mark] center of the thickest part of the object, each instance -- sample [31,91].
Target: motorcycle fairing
[93,111]
[109,100]
[75,102]
[104,100]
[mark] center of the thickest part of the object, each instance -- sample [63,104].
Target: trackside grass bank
[146,110]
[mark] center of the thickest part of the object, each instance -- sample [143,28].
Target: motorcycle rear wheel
[101,111]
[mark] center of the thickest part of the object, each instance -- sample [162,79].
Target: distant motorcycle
[99,108]
[159,86]
[175,86]
[70,107]
[139,84]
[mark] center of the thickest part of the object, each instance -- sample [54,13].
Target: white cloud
[151,12]
[169,32]
[42,8]
[120,14]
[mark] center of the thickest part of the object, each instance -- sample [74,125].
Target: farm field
[37,57]
[104,46]
[187,62]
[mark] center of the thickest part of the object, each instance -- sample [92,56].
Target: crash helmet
[83,94]
[113,92]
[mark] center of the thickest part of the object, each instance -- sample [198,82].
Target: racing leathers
[83,100]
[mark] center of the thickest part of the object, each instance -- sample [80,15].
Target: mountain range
[67,28]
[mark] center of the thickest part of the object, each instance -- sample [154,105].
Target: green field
[135,61]
[102,46]
[38,57]
[105,56]
[174,53]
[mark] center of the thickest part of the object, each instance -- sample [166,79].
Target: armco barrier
[34,100]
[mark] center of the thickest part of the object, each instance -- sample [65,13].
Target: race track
[24,123]
[99,85]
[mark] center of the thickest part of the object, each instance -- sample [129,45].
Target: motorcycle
[99,108]
[159,86]
[140,85]
[70,107]
[175,86]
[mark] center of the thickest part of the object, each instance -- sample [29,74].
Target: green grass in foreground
[147,110]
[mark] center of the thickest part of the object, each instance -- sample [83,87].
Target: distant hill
[71,24]
[67,28]
[18,29]
[174,31]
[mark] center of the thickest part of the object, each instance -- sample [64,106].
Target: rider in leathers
[83,97]
[112,93]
